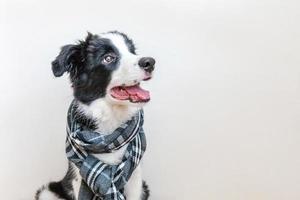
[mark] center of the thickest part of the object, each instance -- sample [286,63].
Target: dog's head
[105,66]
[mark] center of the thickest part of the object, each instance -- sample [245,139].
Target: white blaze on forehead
[118,41]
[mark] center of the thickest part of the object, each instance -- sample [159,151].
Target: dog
[105,73]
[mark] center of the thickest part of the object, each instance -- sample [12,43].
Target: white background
[224,119]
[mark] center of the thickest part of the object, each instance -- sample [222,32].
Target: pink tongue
[134,93]
[137,93]
[119,93]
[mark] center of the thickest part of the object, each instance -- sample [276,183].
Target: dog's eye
[108,59]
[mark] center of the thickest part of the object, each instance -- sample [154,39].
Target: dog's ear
[65,60]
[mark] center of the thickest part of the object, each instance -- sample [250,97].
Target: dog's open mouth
[133,93]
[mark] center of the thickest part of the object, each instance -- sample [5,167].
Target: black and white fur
[92,77]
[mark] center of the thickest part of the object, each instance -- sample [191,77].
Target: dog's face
[105,66]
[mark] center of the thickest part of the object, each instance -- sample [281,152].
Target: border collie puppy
[105,74]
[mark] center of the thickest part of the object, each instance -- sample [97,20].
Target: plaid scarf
[101,181]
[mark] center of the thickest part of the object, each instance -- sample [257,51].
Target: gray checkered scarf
[101,180]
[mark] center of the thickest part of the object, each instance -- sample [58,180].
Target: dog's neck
[107,116]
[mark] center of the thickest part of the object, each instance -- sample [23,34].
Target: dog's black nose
[147,64]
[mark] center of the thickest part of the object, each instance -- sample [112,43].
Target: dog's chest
[112,158]
[115,157]
[107,120]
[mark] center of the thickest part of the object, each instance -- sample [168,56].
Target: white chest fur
[108,118]
[113,158]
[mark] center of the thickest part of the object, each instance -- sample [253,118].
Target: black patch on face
[88,74]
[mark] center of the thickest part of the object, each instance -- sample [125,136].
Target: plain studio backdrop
[224,119]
